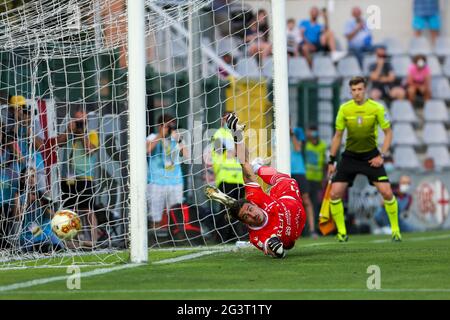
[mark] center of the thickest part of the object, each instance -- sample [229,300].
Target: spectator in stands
[228,177]
[428,164]
[384,82]
[317,37]
[293,38]
[426,16]
[315,160]
[165,151]
[358,35]
[78,187]
[419,79]
[298,172]
[9,175]
[33,216]
[228,59]
[29,138]
[404,200]
[262,19]
[256,42]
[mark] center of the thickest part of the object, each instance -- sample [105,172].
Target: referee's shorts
[353,163]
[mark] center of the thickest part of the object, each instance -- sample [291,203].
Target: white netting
[69,60]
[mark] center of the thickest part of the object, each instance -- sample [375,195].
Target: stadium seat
[323,67]
[325,109]
[403,134]
[435,66]
[326,91]
[393,47]
[380,139]
[435,110]
[367,61]
[440,156]
[349,67]
[345,90]
[298,69]
[402,111]
[406,158]
[248,67]
[419,45]
[400,64]
[440,88]
[435,133]
[442,46]
[446,67]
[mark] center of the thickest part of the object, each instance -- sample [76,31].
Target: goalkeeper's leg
[268,174]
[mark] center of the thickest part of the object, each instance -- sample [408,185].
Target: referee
[361,117]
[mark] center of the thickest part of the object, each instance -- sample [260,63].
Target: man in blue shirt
[165,179]
[358,35]
[426,16]
[298,172]
[317,37]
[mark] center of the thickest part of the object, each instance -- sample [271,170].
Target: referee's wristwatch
[383,155]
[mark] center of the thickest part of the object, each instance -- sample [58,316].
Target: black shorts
[77,194]
[352,164]
[303,184]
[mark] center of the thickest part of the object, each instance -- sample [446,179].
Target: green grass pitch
[417,268]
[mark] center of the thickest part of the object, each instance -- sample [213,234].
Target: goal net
[65,122]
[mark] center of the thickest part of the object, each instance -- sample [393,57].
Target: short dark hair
[165,118]
[357,80]
[233,211]
[313,127]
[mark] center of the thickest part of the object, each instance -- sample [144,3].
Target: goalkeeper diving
[275,220]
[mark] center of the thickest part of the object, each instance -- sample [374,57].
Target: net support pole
[281,87]
[196,104]
[137,131]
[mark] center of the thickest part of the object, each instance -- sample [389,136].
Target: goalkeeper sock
[270,175]
[391,207]
[337,211]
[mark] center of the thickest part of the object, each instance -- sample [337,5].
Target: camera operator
[165,151]
[78,187]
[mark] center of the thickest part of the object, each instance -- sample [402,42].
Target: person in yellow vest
[228,176]
[315,159]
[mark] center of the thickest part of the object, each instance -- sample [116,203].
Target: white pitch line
[191,256]
[37,282]
[443,236]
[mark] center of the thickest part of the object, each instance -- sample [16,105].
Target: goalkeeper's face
[251,215]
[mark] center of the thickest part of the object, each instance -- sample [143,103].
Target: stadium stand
[442,47]
[402,111]
[435,110]
[435,133]
[406,158]
[419,45]
[404,134]
[349,67]
[440,155]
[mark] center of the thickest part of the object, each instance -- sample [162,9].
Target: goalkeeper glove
[275,247]
[258,163]
[236,128]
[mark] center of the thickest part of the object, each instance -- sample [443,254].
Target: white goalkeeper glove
[258,163]
[236,128]
[275,248]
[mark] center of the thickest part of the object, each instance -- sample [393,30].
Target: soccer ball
[66,224]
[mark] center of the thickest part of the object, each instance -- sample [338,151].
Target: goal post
[137,130]
[281,86]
